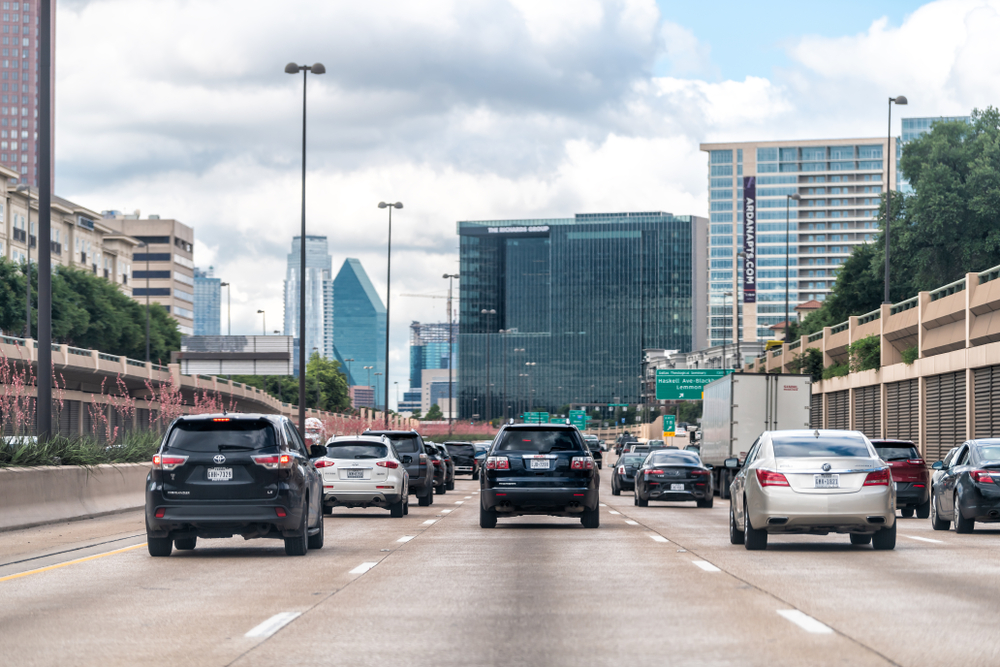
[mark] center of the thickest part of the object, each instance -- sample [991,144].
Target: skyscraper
[318,294]
[429,348]
[358,325]
[207,302]
[19,88]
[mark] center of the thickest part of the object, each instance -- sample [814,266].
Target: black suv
[464,455]
[539,469]
[594,445]
[222,475]
[420,468]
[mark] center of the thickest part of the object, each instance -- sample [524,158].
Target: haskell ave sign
[685,384]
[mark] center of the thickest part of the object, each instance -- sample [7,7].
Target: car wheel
[451,485]
[396,509]
[440,490]
[640,501]
[907,512]
[475,475]
[885,538]
[316,541]
[487,518]
[591,518]
[924,509]
[298,545]
[937,523]
[425,499]
[707,502]
[615,489]
[158,546]
[962,525]
[860,539]
[327,511]
[186,543]
[754,539]
[736,535]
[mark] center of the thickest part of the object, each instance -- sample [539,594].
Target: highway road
[658,585]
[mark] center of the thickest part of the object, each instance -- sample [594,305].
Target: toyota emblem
[826,467]
[219,458]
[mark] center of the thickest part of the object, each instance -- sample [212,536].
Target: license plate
[826,481]
[676,487]
[355,474]
[220,474]
[539,464]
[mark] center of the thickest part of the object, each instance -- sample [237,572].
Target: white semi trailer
[740,406]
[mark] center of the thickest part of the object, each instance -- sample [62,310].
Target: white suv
[364,471]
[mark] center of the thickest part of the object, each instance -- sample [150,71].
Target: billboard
[685,384]
[749,263]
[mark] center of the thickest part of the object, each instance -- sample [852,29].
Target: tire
[396,509]
[640,501]
[425,499]
[186,544]
[754,539]
[600,466]
[907,512]
[327,511]
[924,509]
[316,541]
[962,525]
[736,535]
[451,485]
[707,502]
[487,518]
[299,545]
[885,539]
[591,518]
[406,505]
[615,489]
[159,547]
[440,490]
[860,540]
[937,523]
[475,475]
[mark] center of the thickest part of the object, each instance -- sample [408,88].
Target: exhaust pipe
[994,514]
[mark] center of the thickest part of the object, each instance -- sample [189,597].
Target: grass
[137,447]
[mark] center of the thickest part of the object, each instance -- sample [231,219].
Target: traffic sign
[669,425]
[578,418]
[686,383]
[535,417]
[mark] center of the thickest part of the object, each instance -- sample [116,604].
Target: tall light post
[736,310]
[263,331]
[503,333]
[292,68]
[229,308]
[451,347]
[725,329]
[146,246]
[369,369]
[348,362]
[889,157]
[384,407]
[788,322]
[26,189]
[529,365]
[489,403]
[388,282]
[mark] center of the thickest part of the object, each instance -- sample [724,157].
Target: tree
[332,383]
[434,414]
[689,411]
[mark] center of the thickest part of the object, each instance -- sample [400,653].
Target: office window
[722,157]
[767,155]
[722,170]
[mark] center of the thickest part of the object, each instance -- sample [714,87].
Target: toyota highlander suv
[534,469]
[411,447]
[217,476]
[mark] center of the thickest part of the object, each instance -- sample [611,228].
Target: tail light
[387,464]
[280,511]
[221,419]
[700,473]
[324,463]
[770,478]
[582,463]
[982,476]
[654,471]
[916,462]
[497,463]
[436,462]
[878,478]
[168,461]
[273,461]
[160,511]
[423,459]
[621,470]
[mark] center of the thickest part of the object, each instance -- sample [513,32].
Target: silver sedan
[812,482]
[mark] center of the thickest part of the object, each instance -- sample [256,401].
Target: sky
[464,110]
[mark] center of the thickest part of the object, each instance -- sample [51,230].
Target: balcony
[20,235]
[56,247]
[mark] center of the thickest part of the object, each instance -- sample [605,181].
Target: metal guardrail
[870,317]
[843,326]
[897,308]
[948,290]
[989,274]
[777,352]
[814,337]
[204,377]
[162,369]
[108,357]
[796,345]
[10,340]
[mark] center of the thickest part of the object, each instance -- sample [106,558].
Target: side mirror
[316,451]
[407,459]
[733,463]
[938,465]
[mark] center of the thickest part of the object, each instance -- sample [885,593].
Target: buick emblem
[219,458]
[826,466]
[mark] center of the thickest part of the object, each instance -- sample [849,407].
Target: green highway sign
[578,418]
[536,417]
[669,425]
[686,383]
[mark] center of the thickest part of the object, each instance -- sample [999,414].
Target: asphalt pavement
[659,584]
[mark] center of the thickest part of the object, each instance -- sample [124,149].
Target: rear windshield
[461,450]
[632,460]
[356,450]
[538,441]
[675,458]
[405,444]
[826,447]
[897,453]
[991,453]
[210,436]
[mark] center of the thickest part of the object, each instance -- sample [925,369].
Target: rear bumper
[560,501]
[783,510]
[221,519]
[978,507]
[907,495]
[664,493]
[376,497]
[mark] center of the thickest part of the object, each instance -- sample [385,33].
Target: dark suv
[539,469]
[594,445]
[464,455]
[222,475]
[909,474]
[410,445]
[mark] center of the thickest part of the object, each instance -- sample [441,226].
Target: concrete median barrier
[35,496]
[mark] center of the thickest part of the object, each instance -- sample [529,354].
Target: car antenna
[224,413]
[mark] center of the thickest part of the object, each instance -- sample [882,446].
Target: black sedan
[623,475]
[968,490]
[673,475]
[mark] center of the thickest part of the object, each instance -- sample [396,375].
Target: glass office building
[207,303]
[358,326]
[429,348]
[318,290]
[558,311]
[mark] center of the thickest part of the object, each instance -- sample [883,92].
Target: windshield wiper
[239,448]
[898,458]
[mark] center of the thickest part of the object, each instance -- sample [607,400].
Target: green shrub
[809,362]
[910,355]
[136,447]
[836,371]
[865,354]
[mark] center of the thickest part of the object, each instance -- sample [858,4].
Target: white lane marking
[459,502]
[806,622]
[705,565]
[659,538]
[429,522]
[614,512]
[602,505]
[445,511]
[361,569]
[923,539]
[273,624]
[406,538]
[468,497]
[631,523]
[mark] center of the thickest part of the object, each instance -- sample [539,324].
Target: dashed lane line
[923,539]
[445,511]
[361,569]
[705,565]
[459,502]
[631,523]
[658,538]
[806,622]
[406,538]
[273,624]
[430,521]
[614,512]
[70,562]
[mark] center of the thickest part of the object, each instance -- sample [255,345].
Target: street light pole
[388,282]
[369,369]
[725,330]
[788,322]
[229,308]
[263,331]
[889,157]
[489,403]
[736,310]
[43,402]
[292,68]
[451,345]
[26,189]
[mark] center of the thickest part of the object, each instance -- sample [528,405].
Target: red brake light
[280,511]
[387,464]
[878,478]
[915,462]
[168,461]
[621,470]
[160,512]
[700,473]
[582,463]
[273,461]
[654,471]
[497,463]
[221,419]
[982,476]
[324,463]
[770,478]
